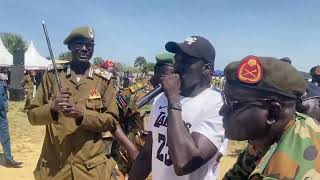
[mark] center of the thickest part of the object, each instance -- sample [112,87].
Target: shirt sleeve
[224,146]
[152,116]
[211,126]
[39,110]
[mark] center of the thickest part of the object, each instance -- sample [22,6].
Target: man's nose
[84,48]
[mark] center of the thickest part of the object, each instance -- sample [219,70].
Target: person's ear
[207,70]
[274,111]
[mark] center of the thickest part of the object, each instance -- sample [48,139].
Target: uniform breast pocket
[95,104]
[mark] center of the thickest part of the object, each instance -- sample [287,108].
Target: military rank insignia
[317,72]
[250,70]
[94,94]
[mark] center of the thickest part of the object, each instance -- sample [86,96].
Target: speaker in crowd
[18,57]
[16,91]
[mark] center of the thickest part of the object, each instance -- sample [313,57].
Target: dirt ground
[26,143]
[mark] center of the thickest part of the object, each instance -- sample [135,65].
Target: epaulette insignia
[250,70]
[136,87]
[317,72]
[105,74]
[59,66]
[94,94]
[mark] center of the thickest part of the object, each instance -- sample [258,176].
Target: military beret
[315,71]
[80,32]
[106,64]
[286,59]
[165,58]
[266,74]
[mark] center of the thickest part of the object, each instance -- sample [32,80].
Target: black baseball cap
[194,46]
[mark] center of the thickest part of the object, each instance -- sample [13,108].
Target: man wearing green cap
[29,85]
[260,99]
[76,115]
[132,120]
[164,66]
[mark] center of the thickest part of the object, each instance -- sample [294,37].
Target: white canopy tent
[33,60]
[6,58]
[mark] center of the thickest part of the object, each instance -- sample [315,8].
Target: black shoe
[13,164]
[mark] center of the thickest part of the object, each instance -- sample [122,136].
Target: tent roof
[33,60]
[6,58]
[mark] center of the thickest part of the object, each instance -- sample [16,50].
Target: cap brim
[172,47]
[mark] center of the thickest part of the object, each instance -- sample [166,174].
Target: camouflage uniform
[131,121]
[28,83]
[295,156]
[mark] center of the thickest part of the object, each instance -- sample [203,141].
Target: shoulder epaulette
[102,73]
[137,87]
[301,116]
[59,66]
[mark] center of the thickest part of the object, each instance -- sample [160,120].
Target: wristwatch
[175,106]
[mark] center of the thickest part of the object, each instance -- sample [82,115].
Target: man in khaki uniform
[28,83]
[75,116]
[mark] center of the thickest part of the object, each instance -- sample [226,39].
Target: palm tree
[13,42]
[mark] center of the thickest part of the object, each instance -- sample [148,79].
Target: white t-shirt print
[200,114]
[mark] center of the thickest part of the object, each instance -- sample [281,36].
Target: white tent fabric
[6,58]
[33,60]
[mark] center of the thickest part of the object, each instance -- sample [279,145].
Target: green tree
[13,42]
[66,56]
[140,62]
[97,61]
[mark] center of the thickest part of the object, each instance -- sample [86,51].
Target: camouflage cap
[165,58]
[315,71]
[84,32]
[266,74]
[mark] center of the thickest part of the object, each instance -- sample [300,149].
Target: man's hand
[71,111]
[171,86]
[61,100]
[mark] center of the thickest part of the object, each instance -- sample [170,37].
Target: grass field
[26,143]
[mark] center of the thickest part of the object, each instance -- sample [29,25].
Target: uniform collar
[70,74]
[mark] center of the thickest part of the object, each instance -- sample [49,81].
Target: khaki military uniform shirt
[73,149]
[27,82]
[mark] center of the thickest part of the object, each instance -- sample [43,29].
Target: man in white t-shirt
[184,120]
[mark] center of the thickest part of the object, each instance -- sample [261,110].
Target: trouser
[28,96]
[4,134]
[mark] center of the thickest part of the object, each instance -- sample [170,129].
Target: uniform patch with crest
[94,94]
[250,70]
[317,72]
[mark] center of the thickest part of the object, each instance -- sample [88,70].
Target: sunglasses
[80,45]
[234,105]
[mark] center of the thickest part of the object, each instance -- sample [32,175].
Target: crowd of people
[95,130]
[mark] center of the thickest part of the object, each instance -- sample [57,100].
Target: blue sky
[127,29]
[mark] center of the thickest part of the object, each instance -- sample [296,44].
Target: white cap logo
[90,33]
[190,40]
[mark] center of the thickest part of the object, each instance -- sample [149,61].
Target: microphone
[150,95]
